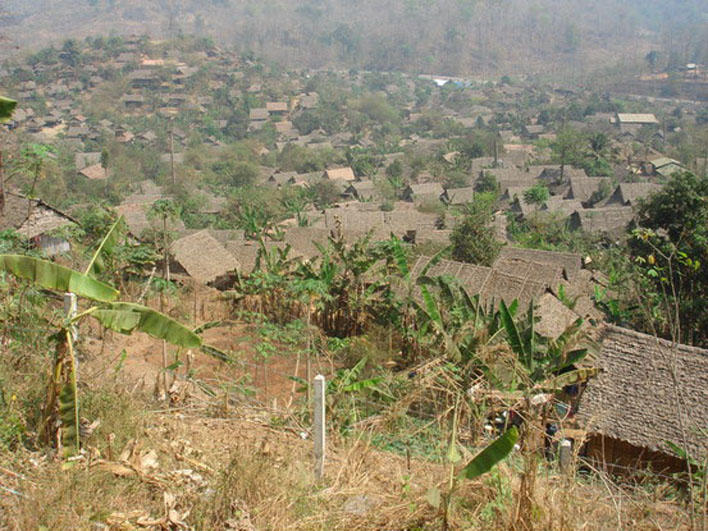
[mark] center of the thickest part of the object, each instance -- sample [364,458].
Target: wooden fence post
[319,431]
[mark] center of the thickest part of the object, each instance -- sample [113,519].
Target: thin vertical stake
[565,455]
[318,431]
[71,309]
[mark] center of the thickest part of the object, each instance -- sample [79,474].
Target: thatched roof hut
[612,221]
[630,193]
[202,257]
[583,187]
[458,196]
[137,220]
[569,263]
[42,219]
[649,391]
[492,285]
[422,192]
[335,174]
[246,253]
[554,316]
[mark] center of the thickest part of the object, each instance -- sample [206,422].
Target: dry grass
[147,468]
[239,470]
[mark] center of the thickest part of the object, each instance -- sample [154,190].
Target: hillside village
[238,180]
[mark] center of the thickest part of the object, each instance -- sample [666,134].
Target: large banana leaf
[484,461]
[399,255]
[49,275]
[121,321]
[7,106]
[106,246]
[512,331]
[126,317]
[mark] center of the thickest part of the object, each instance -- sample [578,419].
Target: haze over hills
[480,37]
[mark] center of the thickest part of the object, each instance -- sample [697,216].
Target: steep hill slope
[443,36]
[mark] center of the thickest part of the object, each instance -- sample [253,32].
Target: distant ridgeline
[445,36]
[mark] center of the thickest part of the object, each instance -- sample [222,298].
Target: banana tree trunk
[60,424]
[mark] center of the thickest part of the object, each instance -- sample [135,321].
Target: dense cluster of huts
[649,391]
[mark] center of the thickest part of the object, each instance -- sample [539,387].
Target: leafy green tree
[323,193]
[70,53]
[567,148]
[236,172]
[536,195]
[307,121]
[164,210]
[7,106]
[487,183]
[673,254]
[473,239]
[395,169]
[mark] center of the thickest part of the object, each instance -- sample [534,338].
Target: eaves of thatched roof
[203,257]
[649,391]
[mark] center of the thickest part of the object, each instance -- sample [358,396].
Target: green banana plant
[61,412]
[543,363]
[105,248]
[483,462]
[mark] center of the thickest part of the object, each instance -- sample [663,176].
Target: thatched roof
[259,114]
[570,263]
[610,220]
[43,218]
[362,190]
[420,191]
[554,316]
[423,235]
[649,392]
[512,178]
[631,193]
[629,118]
[277,106]
[95,172]
[354,220]
[400,221]
[303,239]
[459,196]
[335,174]
[565,207]
[136,218]
[246,253]
[492,285]
[582,188]
[203,257]
[547,273]
[82,160]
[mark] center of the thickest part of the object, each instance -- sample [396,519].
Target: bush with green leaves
[473,239]
[672,254]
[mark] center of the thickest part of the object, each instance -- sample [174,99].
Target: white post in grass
[71,309]
[565,455]
[318,430]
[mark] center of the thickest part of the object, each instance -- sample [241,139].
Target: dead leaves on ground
[144,465]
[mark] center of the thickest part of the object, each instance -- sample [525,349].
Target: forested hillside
[442,36]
